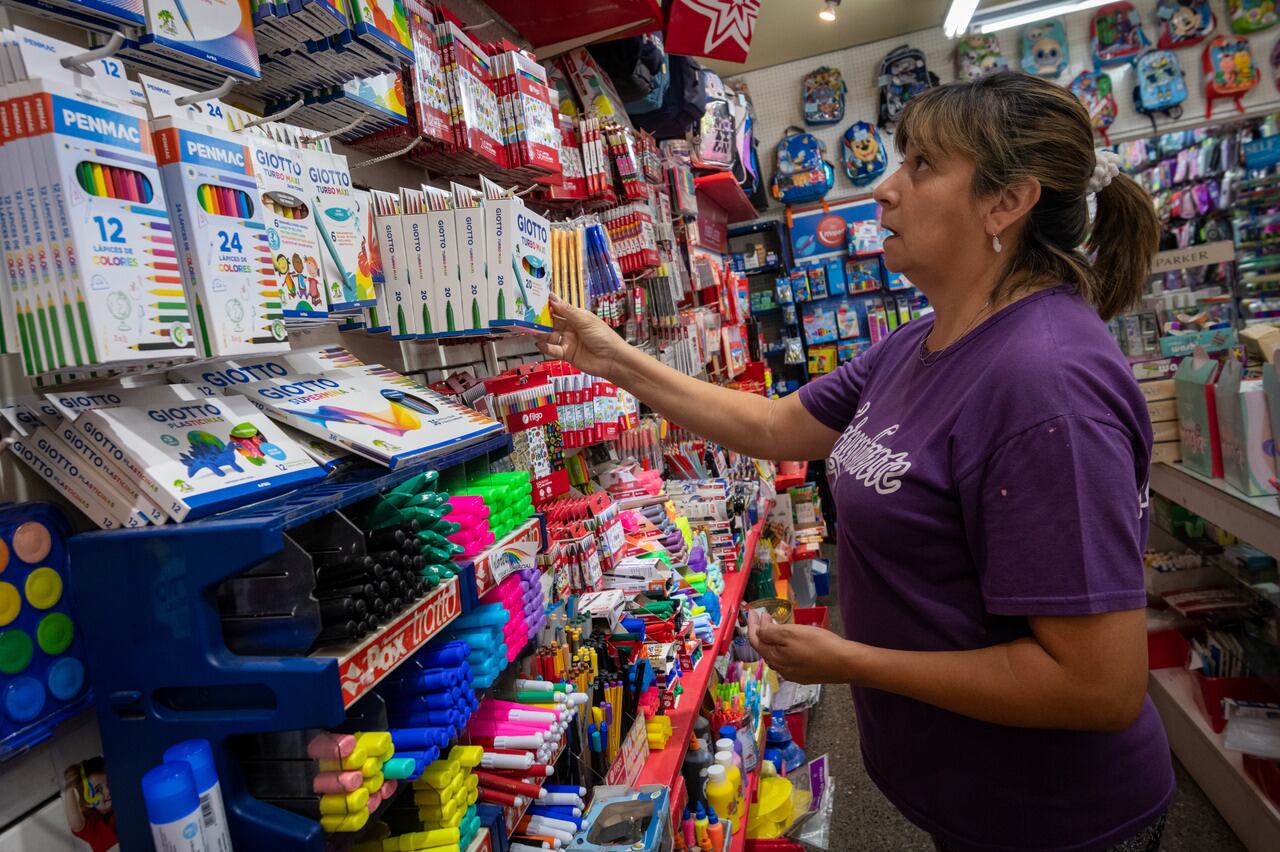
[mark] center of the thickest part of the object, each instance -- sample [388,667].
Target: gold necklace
[928,358]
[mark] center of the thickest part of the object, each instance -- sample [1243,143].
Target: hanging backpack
[1184,23]
[903,75]
[1229,70]
[1044,49]
[1251,16]
[684,104]
[712,138]
[746,169]
[801,173]
[1159,85]
[1093,89]
[863,153]
[632,64]
[1116,35]
[977,56]
[824,92]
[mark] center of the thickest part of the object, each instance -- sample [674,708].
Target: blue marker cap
[169,792]
[23,699]
[197,754]
[66,678]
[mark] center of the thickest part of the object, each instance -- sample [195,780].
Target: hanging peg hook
[275,116]
[329,134]
[480,25]
[80,62]
[221,91]
[383,158]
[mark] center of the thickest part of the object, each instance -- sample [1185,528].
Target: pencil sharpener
[626,820]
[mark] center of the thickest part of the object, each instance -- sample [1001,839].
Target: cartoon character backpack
[1251,16]
[1229,70]
[1184,23]
[801,173]
[1116,34]
[865,158]
[712,138]
[977,56]
[1159,85]
[824,91]
[1093,89]
[903,75]
[1044,49]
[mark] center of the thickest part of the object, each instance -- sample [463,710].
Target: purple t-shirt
[1007,479]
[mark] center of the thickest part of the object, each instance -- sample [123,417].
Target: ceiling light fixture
[958,17]
[1026,12]
[828,12]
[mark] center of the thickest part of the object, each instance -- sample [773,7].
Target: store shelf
[577,23]
[1220,773]
[762,270]
[784,481]
[723,189]
[663,767]
[162,673]
[1253,519]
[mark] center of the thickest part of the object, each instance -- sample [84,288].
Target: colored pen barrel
[508,785]
[297,778]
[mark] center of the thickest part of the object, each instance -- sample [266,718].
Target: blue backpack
[1159,85]
[801,173]
[865,158]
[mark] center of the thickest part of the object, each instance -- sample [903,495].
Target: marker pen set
[349,574]
[221,239]
[82,217]
[525,402]
[461,263]
[376,102]
[214,37]
[529,126]
[101,15]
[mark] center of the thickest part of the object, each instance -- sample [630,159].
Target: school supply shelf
[1219,772]
[663,767]
[1254,519]
[162,672]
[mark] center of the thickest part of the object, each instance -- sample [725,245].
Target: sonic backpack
[977,56]
[1044,49]
[1251,16]
[903,75]
[863,153]
[1159,85]
[1184,23]
[1093,89]
[801,173]
[824,92]
[1229,70]
[1116,35]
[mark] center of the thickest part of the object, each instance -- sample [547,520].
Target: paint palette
[42,676]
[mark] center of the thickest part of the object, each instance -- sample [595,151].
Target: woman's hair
[1014,127]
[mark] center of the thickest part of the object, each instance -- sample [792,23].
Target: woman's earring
[995,244]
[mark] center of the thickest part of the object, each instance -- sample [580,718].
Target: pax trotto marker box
[221,239]
[206,454]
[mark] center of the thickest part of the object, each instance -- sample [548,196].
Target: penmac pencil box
[223,252]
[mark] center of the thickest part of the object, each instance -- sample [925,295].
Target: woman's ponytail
[1124,237]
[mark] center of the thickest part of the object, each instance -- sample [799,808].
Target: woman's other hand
[581,338]
[801,653]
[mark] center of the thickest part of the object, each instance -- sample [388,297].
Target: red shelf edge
[724,191]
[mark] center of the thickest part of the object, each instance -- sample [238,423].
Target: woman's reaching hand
[583,339]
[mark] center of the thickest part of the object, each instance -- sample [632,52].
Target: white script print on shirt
[867,459]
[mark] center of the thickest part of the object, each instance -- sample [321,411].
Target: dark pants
[1146,840]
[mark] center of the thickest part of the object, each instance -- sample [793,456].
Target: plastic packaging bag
[813,827]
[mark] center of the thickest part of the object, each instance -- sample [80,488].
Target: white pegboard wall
[776,91]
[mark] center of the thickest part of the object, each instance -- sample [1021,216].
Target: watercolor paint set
[42,672]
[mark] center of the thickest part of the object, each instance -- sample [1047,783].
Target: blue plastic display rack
[146,600]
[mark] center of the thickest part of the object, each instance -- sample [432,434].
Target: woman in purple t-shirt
[989,467]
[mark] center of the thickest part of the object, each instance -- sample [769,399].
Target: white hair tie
[1105,169]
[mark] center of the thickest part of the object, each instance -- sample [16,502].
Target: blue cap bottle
[198,754]
[173,808]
